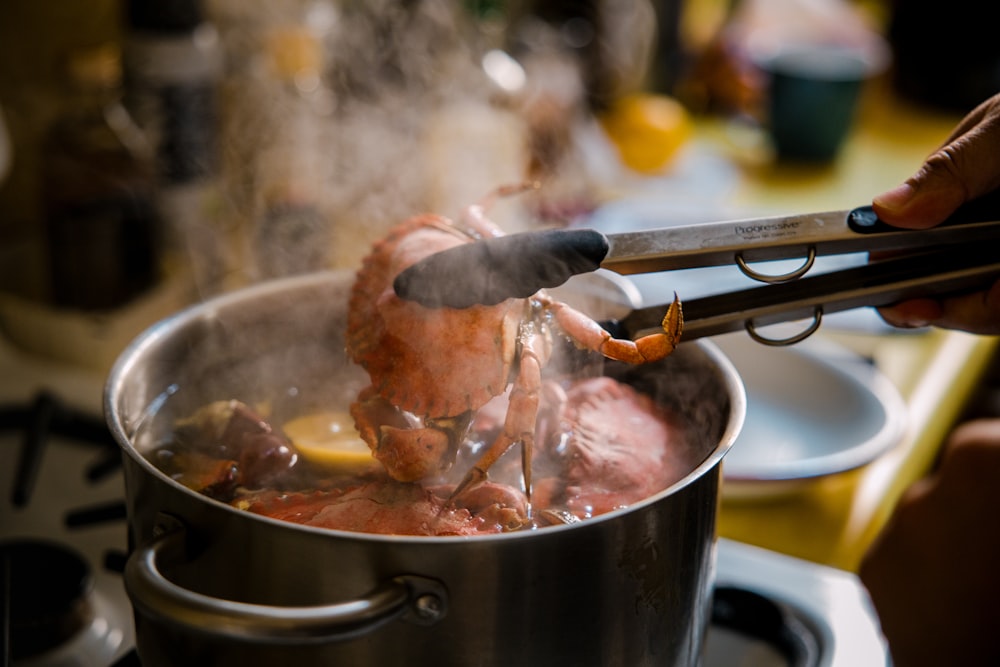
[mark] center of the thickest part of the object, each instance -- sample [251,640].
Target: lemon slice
[328,439]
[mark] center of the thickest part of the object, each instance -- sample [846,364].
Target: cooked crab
[432,369]
[613,445]
[393,508]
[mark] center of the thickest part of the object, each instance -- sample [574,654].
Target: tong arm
[491,270]
[879,283]
[813,234]
[765,239]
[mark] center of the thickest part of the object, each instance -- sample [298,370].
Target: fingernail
[915,322]
[897,198]
[918,313]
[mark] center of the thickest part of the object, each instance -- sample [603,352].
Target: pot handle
[412,598]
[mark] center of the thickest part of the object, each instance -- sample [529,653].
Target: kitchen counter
[833,520]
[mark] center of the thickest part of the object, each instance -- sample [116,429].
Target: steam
[402,119]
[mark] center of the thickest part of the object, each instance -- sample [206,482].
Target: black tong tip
[489,271]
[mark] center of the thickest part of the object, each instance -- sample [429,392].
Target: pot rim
[159,331]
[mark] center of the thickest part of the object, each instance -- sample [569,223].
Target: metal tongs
[959,255]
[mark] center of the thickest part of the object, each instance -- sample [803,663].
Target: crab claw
[660,345]
[407,453]
[410,455]
[592,336]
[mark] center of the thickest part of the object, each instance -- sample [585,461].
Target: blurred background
[155,153]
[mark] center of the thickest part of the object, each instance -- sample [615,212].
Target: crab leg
[474,216]
[590,335]
[519,423]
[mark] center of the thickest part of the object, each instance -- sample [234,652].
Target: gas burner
[62,544]
[774,627]
[53,611]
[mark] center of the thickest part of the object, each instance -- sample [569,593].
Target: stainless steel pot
[213,585]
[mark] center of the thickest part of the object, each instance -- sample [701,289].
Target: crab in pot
[612,445]
[392,508]
[431,369]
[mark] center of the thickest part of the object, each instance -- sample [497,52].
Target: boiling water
[609,447]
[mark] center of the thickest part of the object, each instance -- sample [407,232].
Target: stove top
[62,510]
[62,539]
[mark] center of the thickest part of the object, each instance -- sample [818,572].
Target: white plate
[813,410]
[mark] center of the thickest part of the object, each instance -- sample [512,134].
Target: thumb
[967,166]
[922,201]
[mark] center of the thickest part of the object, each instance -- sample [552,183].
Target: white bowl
[813,410]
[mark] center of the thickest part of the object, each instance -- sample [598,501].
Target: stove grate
[46,415]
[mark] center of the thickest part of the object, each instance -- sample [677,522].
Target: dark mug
[812,98]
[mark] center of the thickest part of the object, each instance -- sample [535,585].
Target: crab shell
[437,362]
[619,446]
[392,508]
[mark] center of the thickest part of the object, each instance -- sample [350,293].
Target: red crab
[392,508]
[614,446]
[432,369]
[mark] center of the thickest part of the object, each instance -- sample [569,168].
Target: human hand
[932,573]
[965,167]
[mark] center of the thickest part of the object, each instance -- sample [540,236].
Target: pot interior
[280,346]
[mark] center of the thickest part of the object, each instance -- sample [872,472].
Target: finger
[965,167]
[913,313]
[973,118]
[971,462]
[924,200]
[983,432]
[978,312]
[975,312]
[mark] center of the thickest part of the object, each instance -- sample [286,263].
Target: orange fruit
[648,130]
